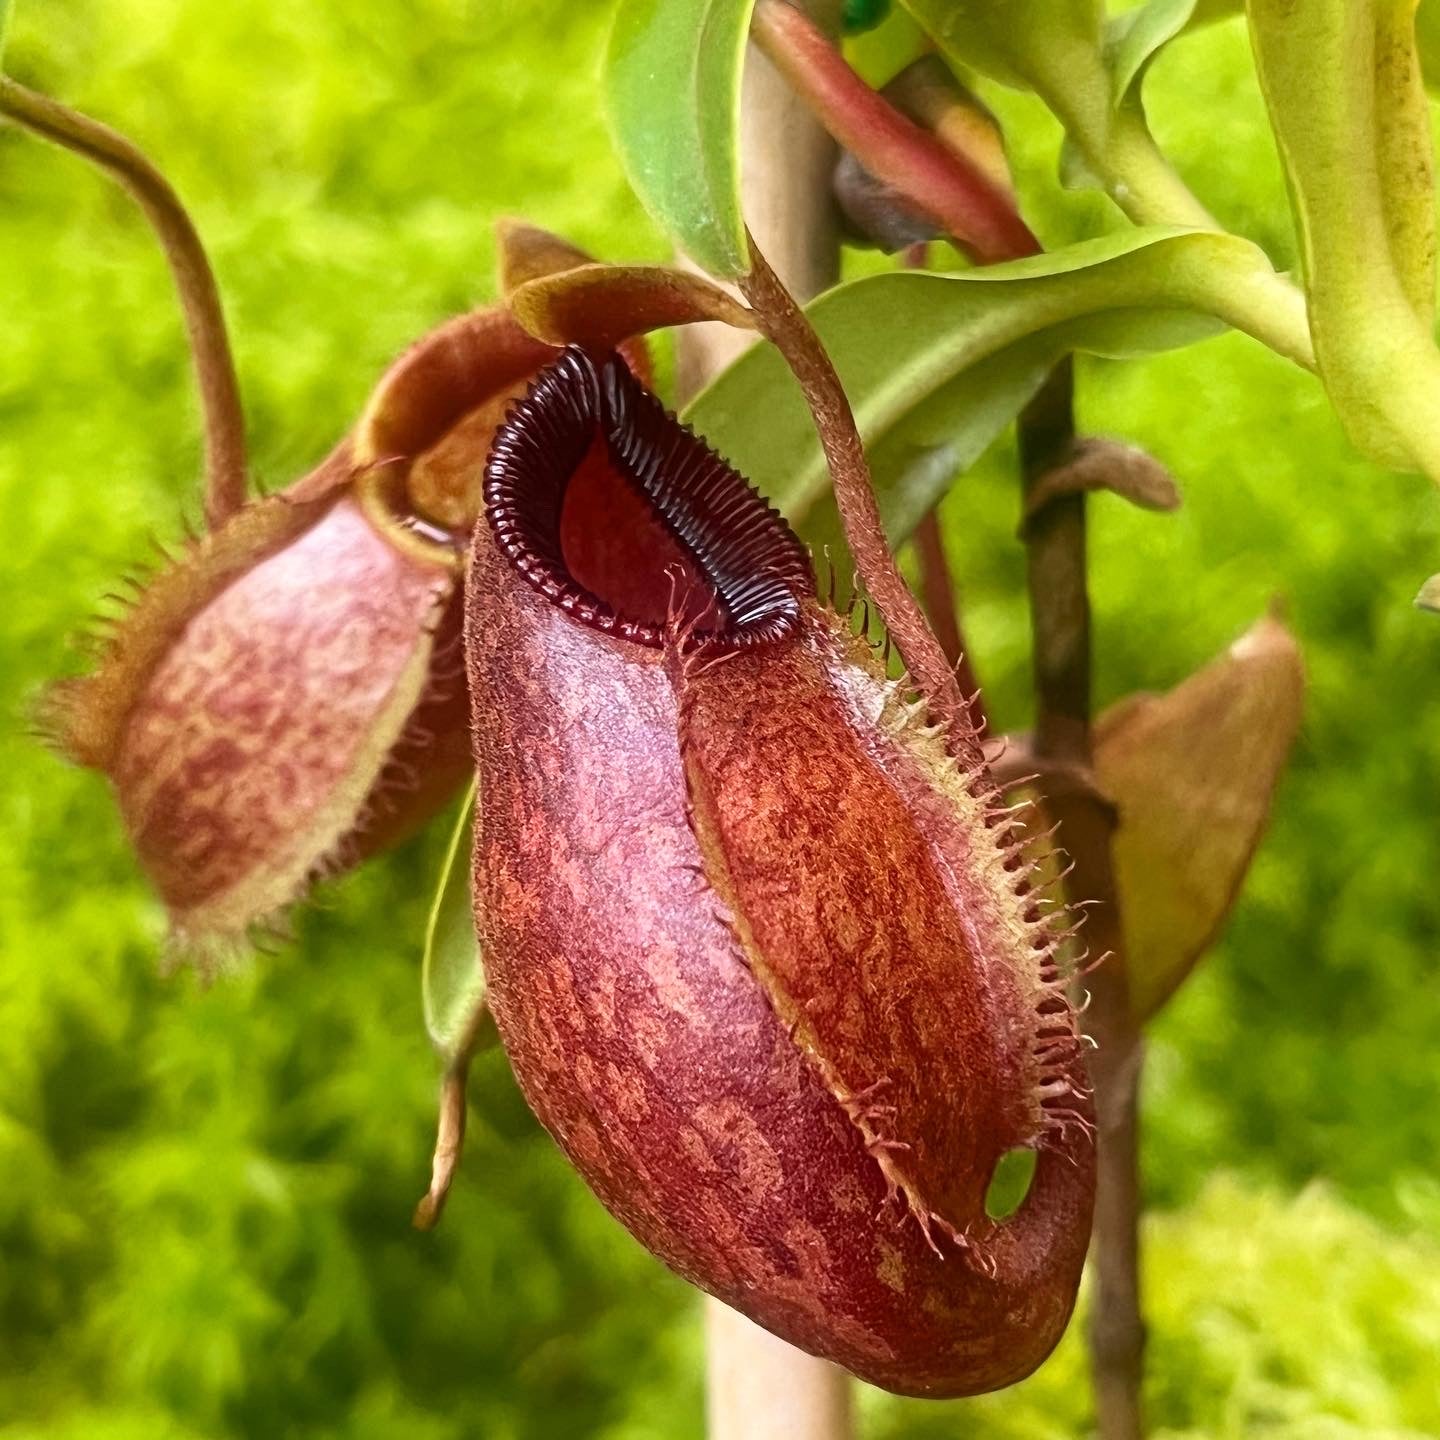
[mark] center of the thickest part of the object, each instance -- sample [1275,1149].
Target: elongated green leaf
[1354,196]
[1135,37]
[1427,40]
[4,26]
[937,365]
[672,81]
[452,982]
[1404,159]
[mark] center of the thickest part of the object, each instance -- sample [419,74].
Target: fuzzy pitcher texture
[285,696]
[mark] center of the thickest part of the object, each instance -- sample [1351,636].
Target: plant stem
[1056,560]
[199,299]
[785,324]
[1117,1329]
[942,605]
[758,1387]
[937,587]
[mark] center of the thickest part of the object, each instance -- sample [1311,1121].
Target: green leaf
[1404,157]
[1427,39]
[937,365]
[452,981]
[1356,152]
[1057,48]
[672,81]
[1135,37]
[4,25]
[879,54]
[860,15]
[1132,39]
[1009,1183]
[1021,43]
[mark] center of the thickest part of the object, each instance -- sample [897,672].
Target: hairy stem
[199,299]
[1056,560]
[785,323]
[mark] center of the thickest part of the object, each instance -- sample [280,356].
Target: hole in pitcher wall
[1010,1183]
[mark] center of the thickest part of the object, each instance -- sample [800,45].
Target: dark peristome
[744,555]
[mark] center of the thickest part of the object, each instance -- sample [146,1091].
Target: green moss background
[205,1194]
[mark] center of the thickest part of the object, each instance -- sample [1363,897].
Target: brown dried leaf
[604,304]
[1096,463]
[1192,773]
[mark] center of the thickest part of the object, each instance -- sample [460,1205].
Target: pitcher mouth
[625,519]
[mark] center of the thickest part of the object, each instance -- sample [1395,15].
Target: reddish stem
[199,297]
[961,199]
[937,587]
[785,324]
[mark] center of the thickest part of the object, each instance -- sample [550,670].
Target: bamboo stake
[760,1388]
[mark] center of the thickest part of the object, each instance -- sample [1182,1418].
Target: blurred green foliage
[205,1194]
